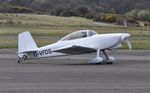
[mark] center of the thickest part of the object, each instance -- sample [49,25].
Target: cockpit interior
[79,34]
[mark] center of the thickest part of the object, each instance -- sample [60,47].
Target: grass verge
[45,25]
[137,44]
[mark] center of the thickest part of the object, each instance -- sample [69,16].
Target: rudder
[26,42]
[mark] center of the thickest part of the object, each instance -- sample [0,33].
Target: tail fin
[26,42]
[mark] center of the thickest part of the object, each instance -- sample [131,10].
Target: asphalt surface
[72,74]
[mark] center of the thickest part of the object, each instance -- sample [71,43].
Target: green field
[45,25]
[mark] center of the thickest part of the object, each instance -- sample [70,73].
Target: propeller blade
[129,44]
[125,25]
[123,38]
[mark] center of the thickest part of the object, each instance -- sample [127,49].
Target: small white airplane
[79,42]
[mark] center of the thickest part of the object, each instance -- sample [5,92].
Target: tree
[99,18]
[56,11]
[3,9]
[133,14]
[82,11]
[99,9]
[105,6]
[67,13]
[90,15]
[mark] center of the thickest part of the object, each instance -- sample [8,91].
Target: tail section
[26,42]
[26,46]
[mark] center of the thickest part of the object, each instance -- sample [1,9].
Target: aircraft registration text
[43,52]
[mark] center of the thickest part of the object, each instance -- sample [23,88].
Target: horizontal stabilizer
[28,51]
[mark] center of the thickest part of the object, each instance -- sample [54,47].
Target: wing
[74,49]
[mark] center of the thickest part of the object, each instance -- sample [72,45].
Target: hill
[106,6]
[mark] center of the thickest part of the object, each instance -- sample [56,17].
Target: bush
[20,9]
[82,11]
[67,13]
[99,9]
[131,20]
[111,18]
[144,15]
[114,18]
[3,9]
[147,24]
[133,14]
[90,15]
[120,21]
[99,18]
[57,11]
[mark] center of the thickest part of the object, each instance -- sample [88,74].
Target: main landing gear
[98,59]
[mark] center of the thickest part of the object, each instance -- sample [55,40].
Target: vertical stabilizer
[26,42]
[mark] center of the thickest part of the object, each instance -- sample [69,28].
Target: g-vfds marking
[42,53]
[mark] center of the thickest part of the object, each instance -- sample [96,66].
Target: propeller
[129,44]
[127,40]
[125,25]
[124,37]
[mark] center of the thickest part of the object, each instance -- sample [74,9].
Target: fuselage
[97,41]
[75,43]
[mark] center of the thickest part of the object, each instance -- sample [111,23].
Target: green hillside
[107,6]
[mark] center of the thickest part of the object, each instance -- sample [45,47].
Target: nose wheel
[108,60]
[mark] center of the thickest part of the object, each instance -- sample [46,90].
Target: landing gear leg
[108,60]
[98,59]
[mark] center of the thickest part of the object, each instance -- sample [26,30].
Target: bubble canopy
[79,34]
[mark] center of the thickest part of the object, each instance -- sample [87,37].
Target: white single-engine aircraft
[79,42]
